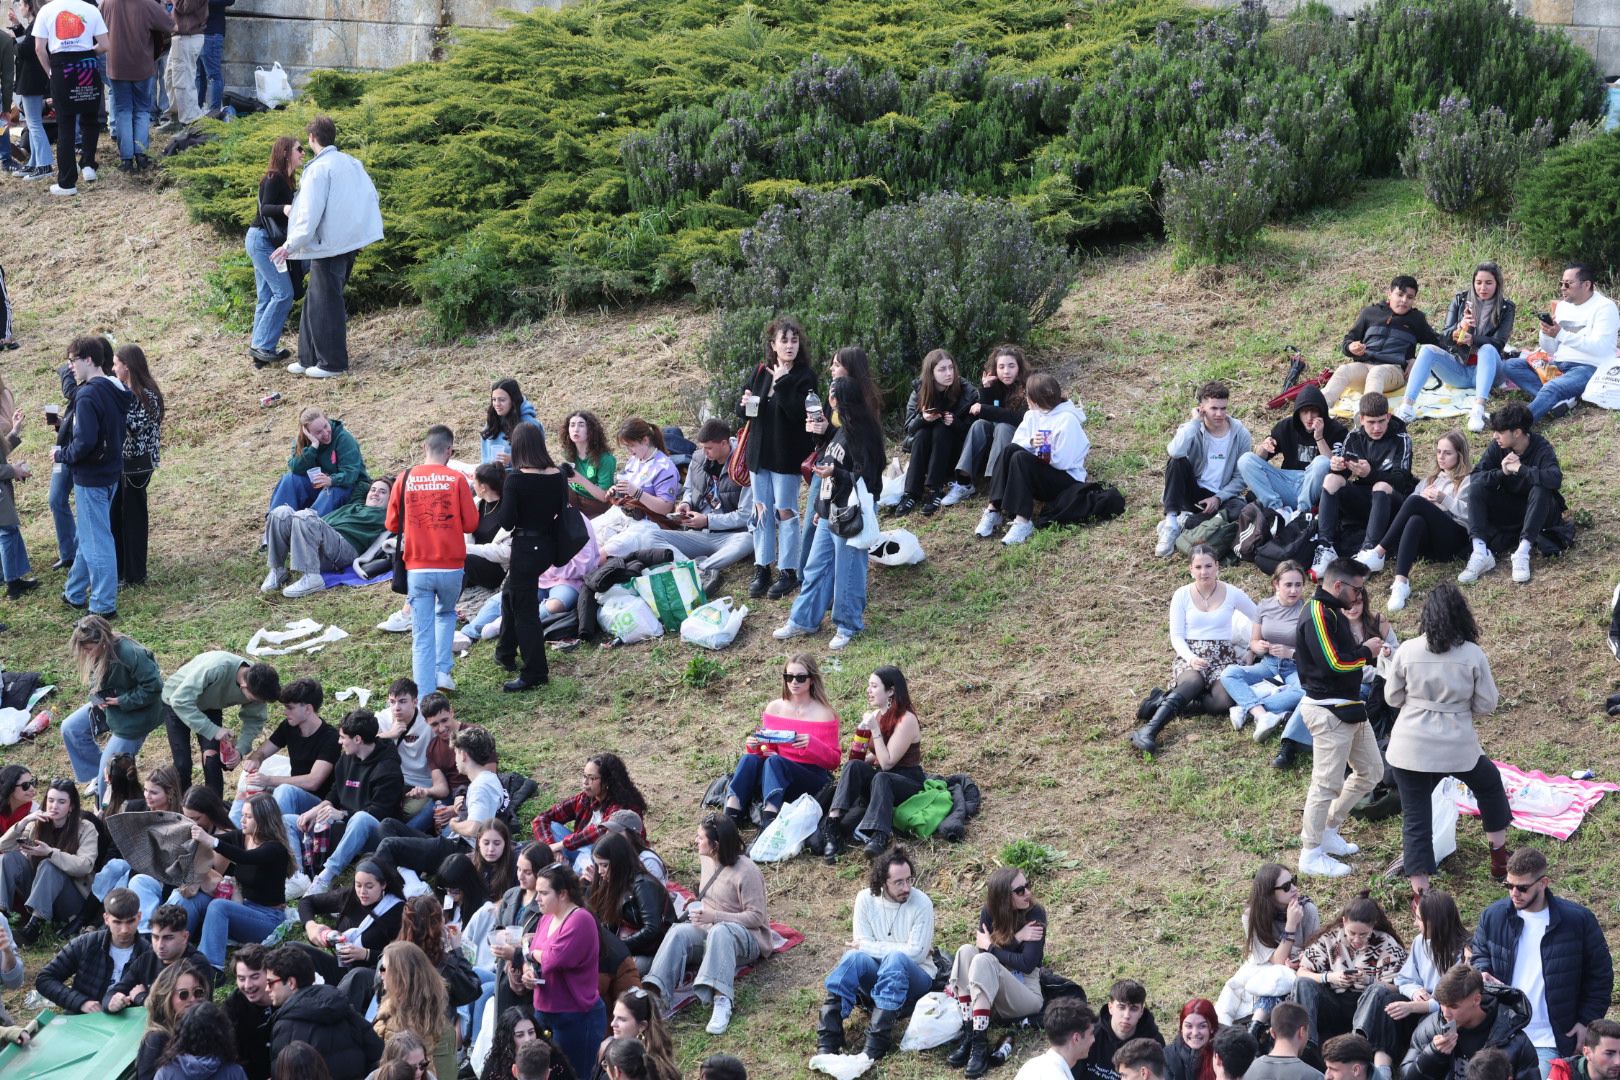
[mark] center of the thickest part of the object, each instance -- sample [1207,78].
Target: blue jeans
[1545,1056]
[132,115]
[67,531]
[211,72]
[809,531]
[290,800]
[1567,387]
[486,984]
[835,575]
[33,107]
[361,833]
[1279,489]
[566,595]
[239,921]
[773,779]
[433,595]
[89,762]
[274,297]
[1238,679]
[115,875]
[13,553]
[893,982]
[1432,359]
[94,577]
[295,490]
[775,538]
[577,1034]
[149,890]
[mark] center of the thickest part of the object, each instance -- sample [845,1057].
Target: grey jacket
[735,511]
[335,210]
[8,474]
[1191,441]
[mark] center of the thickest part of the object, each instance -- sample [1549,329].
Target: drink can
[1045,451]
[270,399]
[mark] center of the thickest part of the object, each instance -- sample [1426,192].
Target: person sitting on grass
[1235,1051]
[368,788]
[572,826]
[1387,1015]
[792,751]
[1431,523]
[325,468]
[415,854]
[1139,1059]
[1351,1057]
[1190,1055]
[489,547]
[1278,920]
[586,449]
[1305,442]
[1599,1057]
[1125,1019]
[715,514]
[507,409]
[312,746]
[1046,457]
[1578,334]
[1370,477]
[883,771]
[366,916]
[1070,1027]
[48,858]
[1382,342]
[1201,478]
[649,483]
[171,943]
[1517,498]
[995,418]
[93,962]
[1474,1020]
[1276,625]
[313,544]
[997,975]
[627,899]
[1342,965]
[320,1015]
[261,865]
[405,726]
[1290,1035]
[937,420]
[1478,326]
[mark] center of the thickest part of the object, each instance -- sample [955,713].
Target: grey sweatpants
[301,540]
[713,550]
[986,441]
[51,893]
[722,947]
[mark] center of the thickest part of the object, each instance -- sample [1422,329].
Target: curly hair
[1447,621]
[618,790]
[204,1031]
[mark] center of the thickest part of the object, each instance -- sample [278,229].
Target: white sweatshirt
[1587,332]
[883,927]
[1065,433]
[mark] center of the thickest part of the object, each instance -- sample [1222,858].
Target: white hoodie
[1065,434]
[1586,332]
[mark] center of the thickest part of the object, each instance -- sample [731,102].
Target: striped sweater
[1329,657]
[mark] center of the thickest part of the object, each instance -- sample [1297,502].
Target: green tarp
[96,1046]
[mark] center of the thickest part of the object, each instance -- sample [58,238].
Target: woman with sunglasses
[1277,920]
[17,790]
[884,769]
[405,1048]
[998,975]
[573,825]
[180,986]
[1296,737]
[413,999]
[792,751]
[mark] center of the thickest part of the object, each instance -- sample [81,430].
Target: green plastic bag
[921,814]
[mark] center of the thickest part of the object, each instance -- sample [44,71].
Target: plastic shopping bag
[626,616]
[894,483]
[714,625]
[272,87]
[869,520]
[1603,389]
[1444,807]
[783,838]
[672,590]
[897,547]
[935,1021]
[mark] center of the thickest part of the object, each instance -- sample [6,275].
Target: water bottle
[812,407]
[1003,1052]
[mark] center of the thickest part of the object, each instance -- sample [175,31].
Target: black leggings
[934,450]
[1203,695]
[1417,816]
[1422,530]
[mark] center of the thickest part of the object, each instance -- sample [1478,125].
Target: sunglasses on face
[190,995]
[795,676]
[1526,887]
[25,785]
[1284,886]
[1020,890]
[272,981]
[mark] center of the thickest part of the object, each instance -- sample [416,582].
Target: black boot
[19,587]
[786,582]
[1145,738]
[833,844]
[880,1033]
[978,1062]
[761,582]
[738,816]
[28,933]
[958,1056]
[765,819]
[877,845]
[1287,754]
[830,1032]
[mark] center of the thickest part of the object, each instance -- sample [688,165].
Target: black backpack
[1294,540]
[1081,504]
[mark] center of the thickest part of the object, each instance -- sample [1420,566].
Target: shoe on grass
[989,522]
[1334,844]
[958,492]
[1521,567]
[840,640]
[1371,559]
[1399,593]
[1169,531]
[1019,532]
[304,586]
[789,630]
[1267,724]
[397,623]
[1318,863]
[1480,563]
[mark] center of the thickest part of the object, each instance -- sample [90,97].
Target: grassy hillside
[1026,664]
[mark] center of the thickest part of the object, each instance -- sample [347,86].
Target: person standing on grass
[33,86]
[1201,478]
[125,685]
[70,39]
[94,456]
[274,288]
[130,67]
[143,446]
[334,215]
[433,508]
[190,22]
[532,504]
[13,552]
[194,700]
[211,64]
[773,403]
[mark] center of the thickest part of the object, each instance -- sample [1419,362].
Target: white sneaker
[1324,555]
[57,189]
[447,683]
[323,373]
[957,493]
[1476,417]
[790,630]
[397,623]
[1318,863]
[1399,593]
[1020,531]
[720,1018]
[1169,530]
[1406,411]
[1521,567]
[1287,514]
[308,583]
[840,640]
[1239,716]
[1266,724]
[1370,558]
[1480,563]
[87,174]
[1334,844]
[322,884]
[295,368]
[274,580]
[460,643]
[989,522]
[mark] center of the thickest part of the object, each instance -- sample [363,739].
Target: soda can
[269,399]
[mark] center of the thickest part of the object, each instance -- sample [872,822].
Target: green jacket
[358,523]
[208,682]
[133,678]
[340,459]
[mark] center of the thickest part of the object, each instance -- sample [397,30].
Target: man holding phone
[1368,479]
[1472,1017]
[715,513]
[1579,333]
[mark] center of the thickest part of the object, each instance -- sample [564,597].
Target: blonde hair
[90,646]
[1458,442]
[415,999]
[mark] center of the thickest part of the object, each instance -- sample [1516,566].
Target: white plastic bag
[1444,806]
[869,520]
[842,1066]
[626,616]
[272,87]
[12,722]
[897,547]
[935,1021]
[1603,390]
[714,625]
[249,784]
[783,838]
[894,483]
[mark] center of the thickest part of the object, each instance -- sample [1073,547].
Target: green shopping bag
[672,590]
[921,814]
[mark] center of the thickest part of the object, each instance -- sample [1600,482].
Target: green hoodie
[133,678]
[340,459]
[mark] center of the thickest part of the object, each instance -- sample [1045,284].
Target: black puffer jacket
[1507,1011]
[1390,338]
[322,1017]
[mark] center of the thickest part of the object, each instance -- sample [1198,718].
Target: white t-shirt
[1528,976]
[413,753]
[486,798]
[1048,1066]
[1217,450]
[69,26]
[120,958]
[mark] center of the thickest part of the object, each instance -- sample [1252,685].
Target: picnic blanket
[1434,403]
[159,845]
[1550,805]
[348,577]
[783,938]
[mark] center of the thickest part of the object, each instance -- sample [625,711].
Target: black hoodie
[1296,445]
[375,783]
[322,1016]
[1390,338]
[1507,1012]
[1100,1062]
[1390,457]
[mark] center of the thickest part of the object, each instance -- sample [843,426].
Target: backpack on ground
[1294,540]
[1215,532]
[1081,504]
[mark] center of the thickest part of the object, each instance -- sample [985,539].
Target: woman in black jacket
[774,404]
[143,447]
[994,420]
[269,231]
[33,87]
[836,574]
[937,420]
[998,975]
[535,495]
[627,900]
[368,917]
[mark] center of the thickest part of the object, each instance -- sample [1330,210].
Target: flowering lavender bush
[946,271]
[1469,159]
[1214,208]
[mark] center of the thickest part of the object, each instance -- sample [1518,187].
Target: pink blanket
[1549,805]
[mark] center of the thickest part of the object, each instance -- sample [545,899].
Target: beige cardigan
[1438,696]
[80,866]
[736,894]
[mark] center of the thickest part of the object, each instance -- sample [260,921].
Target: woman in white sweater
[1441,680]
[1047,457]
[1432,523]
[1201,629]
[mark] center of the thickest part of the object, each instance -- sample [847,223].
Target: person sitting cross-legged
[1517,496]
[368,787]
[715,513]
[1382,342]
[313,544]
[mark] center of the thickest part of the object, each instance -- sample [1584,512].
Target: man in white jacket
[1579,334]
[334,214]
[1046,458]
[891,961]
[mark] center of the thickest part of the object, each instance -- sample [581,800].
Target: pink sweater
[823,750]
[568,964]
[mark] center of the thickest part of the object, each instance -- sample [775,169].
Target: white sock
[1524,548]
[1480,548]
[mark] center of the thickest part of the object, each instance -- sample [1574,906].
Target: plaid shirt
[575,813]
[87,960]
[1380,961]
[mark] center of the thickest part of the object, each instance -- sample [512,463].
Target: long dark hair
[65,839]
[204,1031]
[1443,929]
[458,872]
[503,1051]
[618,790]
[655,1032]
[607,891]
[1015,392]
[596,443]
[1364,909]
[856,365]
[123,782]
[281,159]
[204,800]
[1264,912]
[894,680]
[269,828]
[10,777]
[494,423]
[1005,920]
[1447,621]
[423,926]
[300,1061]
[931,395]
[863,432]
[140,376]
[529,448]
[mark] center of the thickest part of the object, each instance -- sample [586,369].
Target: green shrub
[1410,54]
[947,271]
[1469,159]
[1569,204]
[1214,208]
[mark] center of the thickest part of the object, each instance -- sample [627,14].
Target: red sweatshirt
[436,507]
